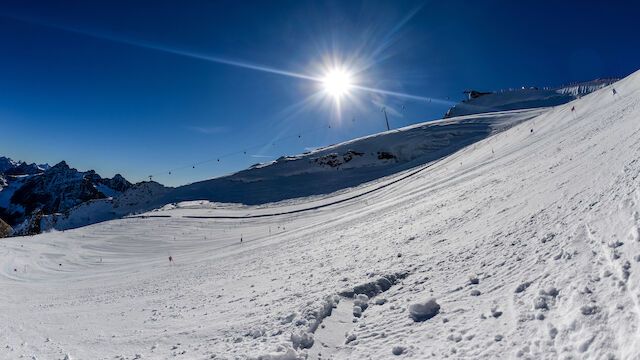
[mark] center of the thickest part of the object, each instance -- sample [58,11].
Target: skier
[573,108]
[170,259]
[240,238]
[614,91]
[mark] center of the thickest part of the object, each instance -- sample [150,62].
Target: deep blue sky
[102,84]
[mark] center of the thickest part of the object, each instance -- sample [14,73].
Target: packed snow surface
[527,241]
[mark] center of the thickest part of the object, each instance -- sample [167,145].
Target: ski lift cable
[217,158]
[244,151]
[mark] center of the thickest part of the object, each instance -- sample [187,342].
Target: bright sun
[337,83]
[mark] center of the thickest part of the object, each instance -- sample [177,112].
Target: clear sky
[139,88]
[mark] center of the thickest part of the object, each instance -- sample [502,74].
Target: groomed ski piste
[524,244]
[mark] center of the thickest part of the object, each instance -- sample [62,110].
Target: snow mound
[425,310]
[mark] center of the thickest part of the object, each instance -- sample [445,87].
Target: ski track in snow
[528,241]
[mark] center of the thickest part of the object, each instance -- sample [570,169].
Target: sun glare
[337,83]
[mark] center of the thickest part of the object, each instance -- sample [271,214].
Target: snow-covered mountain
[11,167]
[28,188]
[524,98]
[525,244]
[138,198]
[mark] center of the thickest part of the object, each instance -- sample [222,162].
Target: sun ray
[337,84]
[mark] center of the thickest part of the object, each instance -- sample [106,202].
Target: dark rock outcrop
[37,190]
[10,167]
[5,229]
[118,183]
[24,169]
[56,190]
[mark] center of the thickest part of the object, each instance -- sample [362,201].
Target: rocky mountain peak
[53,189]
[62,165]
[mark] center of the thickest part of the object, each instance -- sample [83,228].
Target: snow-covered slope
[526,98]
[323,171]
[351,163]
[523,245]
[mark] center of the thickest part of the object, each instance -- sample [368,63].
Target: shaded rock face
[56,190]
[24,169]
[118,183]
[11,217]
[6,164]
[5,229]
[32,225]
[10,167]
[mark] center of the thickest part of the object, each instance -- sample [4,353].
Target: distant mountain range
[29,189]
